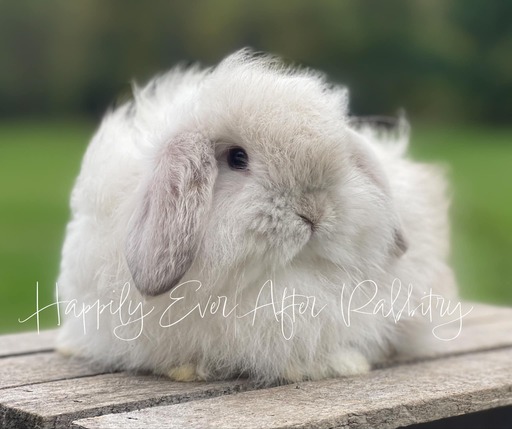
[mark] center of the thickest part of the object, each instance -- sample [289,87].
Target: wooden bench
[39,388]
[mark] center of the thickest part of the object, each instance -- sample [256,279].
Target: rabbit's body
[163,226]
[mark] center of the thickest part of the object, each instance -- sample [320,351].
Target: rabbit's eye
[237,158]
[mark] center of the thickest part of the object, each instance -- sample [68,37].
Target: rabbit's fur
[161,223]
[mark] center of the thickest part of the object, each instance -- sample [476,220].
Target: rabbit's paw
[187,372]
[65,351]
[349,362]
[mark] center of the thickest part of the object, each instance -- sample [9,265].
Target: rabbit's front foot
[65,351]
[344,363]
[187,372]
[348,362]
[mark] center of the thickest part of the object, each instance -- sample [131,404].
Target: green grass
[39,161]
[480,166]
[38,164]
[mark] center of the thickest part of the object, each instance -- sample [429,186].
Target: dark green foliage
[443,60]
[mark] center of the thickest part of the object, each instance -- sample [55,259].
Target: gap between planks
[485,328]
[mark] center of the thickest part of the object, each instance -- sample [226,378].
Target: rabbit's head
[264,174]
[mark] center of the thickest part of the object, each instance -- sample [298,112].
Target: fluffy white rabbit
[233,221]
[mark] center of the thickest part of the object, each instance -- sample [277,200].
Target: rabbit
[234,221]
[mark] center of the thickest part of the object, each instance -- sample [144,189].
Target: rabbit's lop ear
[365,160]
[170,214]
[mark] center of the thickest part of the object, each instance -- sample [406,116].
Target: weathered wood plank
[386,398]
[41,367]
[68,400]
[27,342]
[475,338]
[485,328]
[486,313]
[47,375]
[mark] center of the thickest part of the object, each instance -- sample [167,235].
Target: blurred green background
[62,63]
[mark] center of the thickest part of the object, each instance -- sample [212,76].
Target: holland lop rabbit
[234,221]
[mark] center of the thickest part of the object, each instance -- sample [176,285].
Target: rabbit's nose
[308,221]
[311,207]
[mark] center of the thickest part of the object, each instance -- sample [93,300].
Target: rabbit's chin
[252,256]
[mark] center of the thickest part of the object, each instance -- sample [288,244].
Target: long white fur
[378,216]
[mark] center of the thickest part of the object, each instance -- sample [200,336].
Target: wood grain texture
[386,398]
[48,390]
[58,403]
[27,342]
[40,368]
[484,328]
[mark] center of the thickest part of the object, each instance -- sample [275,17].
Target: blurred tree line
[439,59]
